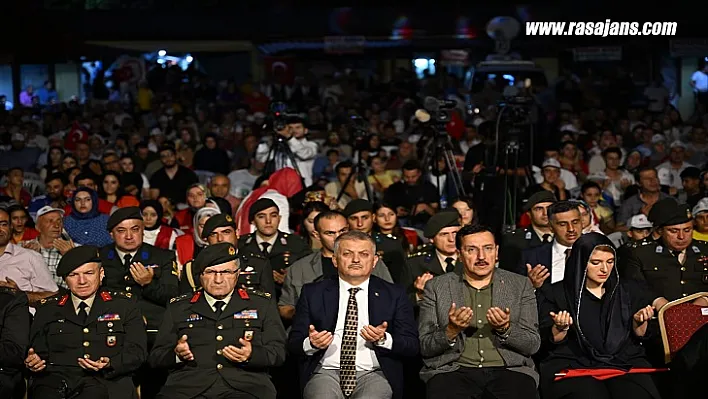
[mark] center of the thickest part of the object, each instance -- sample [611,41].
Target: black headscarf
[616,306]
[154,204]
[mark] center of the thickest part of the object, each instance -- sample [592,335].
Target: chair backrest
[678,321]
[33,186]
[204,176]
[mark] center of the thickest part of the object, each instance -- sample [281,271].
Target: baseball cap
[658,138]
[551,163]
[48,209]
[701,206]
[640,222]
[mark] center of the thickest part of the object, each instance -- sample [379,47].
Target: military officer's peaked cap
[214,255]
[538,198]
[356,206]
[216,221]
[668,212]
[261,205]
[77,257]
[131,212]
[437,222]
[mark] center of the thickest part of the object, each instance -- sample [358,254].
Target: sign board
[455,57]
[608,53]
[344,44]
[688,47]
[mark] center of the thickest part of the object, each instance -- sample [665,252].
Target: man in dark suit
[353,346]
[14,336]
[85,344]
[146,272]
[478,330]
[545,265]
[537,234]
[219,341]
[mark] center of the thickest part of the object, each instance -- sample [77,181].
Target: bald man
[220,186]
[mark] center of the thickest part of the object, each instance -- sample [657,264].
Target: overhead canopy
[176,46]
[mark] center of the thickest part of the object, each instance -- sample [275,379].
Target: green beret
[538,198]
[77,257]
[216,221]
[131,212]
[668,212]
[356,206]
[261,205]
[437,222]
[214,255]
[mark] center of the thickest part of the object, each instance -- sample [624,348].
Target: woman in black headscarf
[589,320]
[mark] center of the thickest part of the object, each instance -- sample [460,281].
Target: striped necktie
[347,356]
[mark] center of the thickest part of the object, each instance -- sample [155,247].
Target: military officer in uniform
[148,273]
[280,248]
[14,335]
[360,216]
[438,258]
[89,342]
[674,266]
[538,233]
[256,272]
[219,341]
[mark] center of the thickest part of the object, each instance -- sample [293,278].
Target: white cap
[701,206]
[640,222]
[678,144]
[48,209]
[155,131]
[658,138]
[551,162]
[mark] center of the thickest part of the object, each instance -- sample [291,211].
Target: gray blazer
[509,290]
[308,269]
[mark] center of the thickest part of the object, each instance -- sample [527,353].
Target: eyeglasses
[214,273]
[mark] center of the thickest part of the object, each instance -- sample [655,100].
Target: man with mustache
[545,265]
[478,329]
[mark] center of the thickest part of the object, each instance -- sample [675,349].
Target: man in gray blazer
[313,267]
[478,330]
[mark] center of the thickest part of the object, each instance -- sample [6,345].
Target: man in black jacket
[14,335]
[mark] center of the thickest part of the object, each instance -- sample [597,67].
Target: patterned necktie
[265,246]
[450,265]
[83,311]
[347,356]
[219,306]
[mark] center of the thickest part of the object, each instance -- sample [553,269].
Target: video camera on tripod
[279,115]
[436,110]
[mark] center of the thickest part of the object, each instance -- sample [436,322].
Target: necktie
[83,312]
[547,238]
[219,306]
[126,260]
[265,246]
[450,265]
[678,256]
[347,356]
[567,254]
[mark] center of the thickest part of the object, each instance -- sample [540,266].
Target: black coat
[14,337]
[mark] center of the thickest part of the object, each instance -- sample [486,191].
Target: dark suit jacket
[542,255]
[318,306]
[14,339]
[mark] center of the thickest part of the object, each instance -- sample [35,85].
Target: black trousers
[219,390]
[623,387]
[690,367]
[87,388]
[481,383]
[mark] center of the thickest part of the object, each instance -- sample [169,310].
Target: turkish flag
[456,127]
[77,134]
[280,69]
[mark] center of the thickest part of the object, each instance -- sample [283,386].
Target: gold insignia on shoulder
[260,293]
[43,301]
[228,218]
[688,214]
[180,298]
[232,251]
[175,270]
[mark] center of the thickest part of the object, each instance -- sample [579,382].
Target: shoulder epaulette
[57,299]
[180,298]
[255,255]
[260,293]
[8,290]
[421,250]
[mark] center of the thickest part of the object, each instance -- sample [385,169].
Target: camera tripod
[440,147]
[280,156]
[359,172]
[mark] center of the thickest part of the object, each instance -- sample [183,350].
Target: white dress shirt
[557,262]
[211,300]
[89,302]
[260,240]
[365,356]
[441,259]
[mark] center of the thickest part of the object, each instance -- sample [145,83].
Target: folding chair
[678,321]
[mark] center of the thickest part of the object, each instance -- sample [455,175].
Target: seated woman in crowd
[307,227]
[589,320]
[85,224]
[386,222]
[155,232]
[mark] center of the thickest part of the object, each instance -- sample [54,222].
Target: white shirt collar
[211,300]
[442,258]
[121,255]
[344,286]
[259,240]
[559,248]
[76,301]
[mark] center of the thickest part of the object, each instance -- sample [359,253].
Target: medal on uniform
[248,335]
[249,314]
[111,340]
